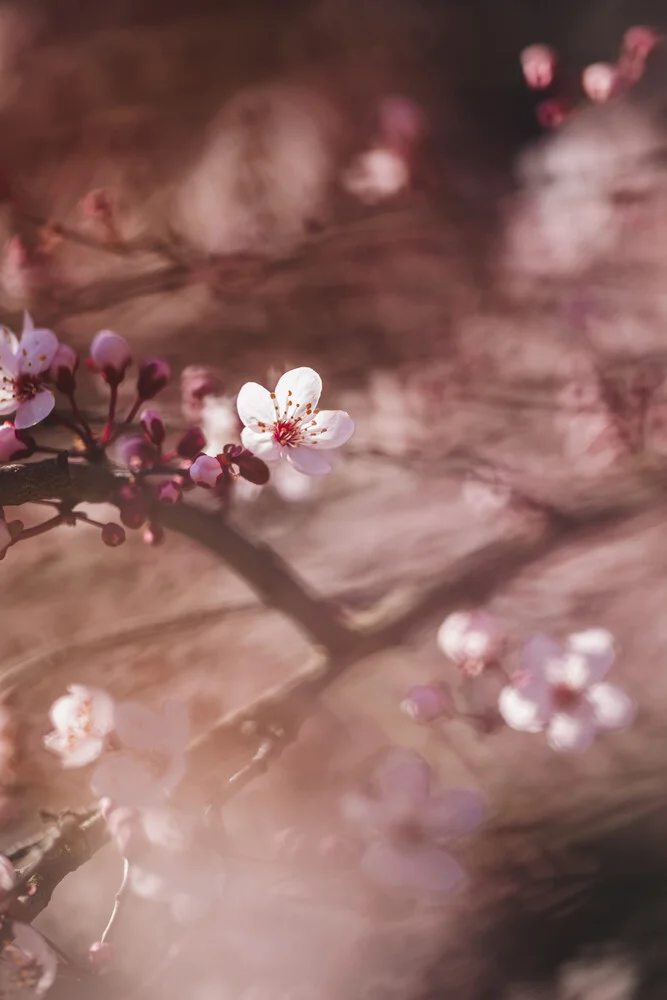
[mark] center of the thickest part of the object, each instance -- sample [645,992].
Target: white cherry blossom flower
[27,965]
[82,721]
[405,826]
[287,424]
[471,639]
[23,363]
[560,690]
[151,762]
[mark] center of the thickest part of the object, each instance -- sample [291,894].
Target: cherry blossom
[600,80]
[560,690]
[426,703]
[27,965]
[471,639]
[23,364]
[287,424]
[83,721]
[153,427]
[206,471]
[111,354]
[404,826]
[376,175]
[151,762]
[14,444]
[154,374]
[538,63]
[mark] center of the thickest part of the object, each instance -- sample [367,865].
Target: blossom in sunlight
[151,762]
[560,690]
[14,444]
[405,826]
[376,175]
[111,355]
[82,721]
[287,424]
[23,364]
[27,965]
[473,640]
[600,81]
[538,63]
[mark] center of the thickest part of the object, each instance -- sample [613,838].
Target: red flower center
[565,698]
[26,387]
[287,432]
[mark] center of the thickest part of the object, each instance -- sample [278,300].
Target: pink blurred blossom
[600,81]
[110,353]
[82,721]
[28,964]
[538,63]
[473,640]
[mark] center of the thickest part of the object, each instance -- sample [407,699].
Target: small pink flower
[152,761]
[136,452]
[600,80]
[23,363]
[287,424]
[82,721]
[405,826]
[63,368]
[154,374]
[153,427]
[471,639]
[169,493]
[27,964]
[15,444]
[110,353]
[538,63]
[560,691]
[426,703]
[206,471]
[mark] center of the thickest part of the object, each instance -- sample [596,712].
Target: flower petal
[525,708]
[297,391]
[571,731]
[612,707]
[329,429]
[262,445]
[542,654]
[590,654]
[34,410]
[307,460]
[36,351]
[138,727]
[421,869]
[370,816]
[453,814]
[9,343]
[404,781]
[255,406]
[83,751]
[8,402]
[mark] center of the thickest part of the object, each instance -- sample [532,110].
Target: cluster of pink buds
[600,81]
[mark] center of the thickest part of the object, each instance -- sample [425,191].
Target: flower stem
[118,900]
[108,429]
[41,529]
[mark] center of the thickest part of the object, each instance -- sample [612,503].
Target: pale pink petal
[612,707]
[452,814]
[422,869]
[9,344]
[262,445]
[298,390]
[307,460]
[31,943]
[590,656]
[571,731]
[255,406]
[126,781]
[404,780]
[36,351]
[329,429]
[525,708]
[82,752]
[542,654]
[138,727]
[369,816]
[32,411]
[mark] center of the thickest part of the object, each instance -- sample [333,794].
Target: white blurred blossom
[83,721]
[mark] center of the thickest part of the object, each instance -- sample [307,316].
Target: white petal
[307,460]
[36,351]
[590,655]
[83,751]
[524,709]
[542,654]
[138,727]
[612,707]
[571,731]
[422,869]
[9,343]
[32,411]
[453,814]
[297,390]
[8,403]
[329,429]
[255,406]
[263,445]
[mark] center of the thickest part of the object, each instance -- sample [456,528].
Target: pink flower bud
[15,444]
[136,453]
[206,471]
[154,534]
[113,535]
[191,444]
[640,41]
[599,81]
[63,368]
[198,382]
[153,377]
[551,114]
[402,122]
[153,427]
[110,353]
[169,493]
[101,955]
[426,703]
[538,63]
[472,640]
